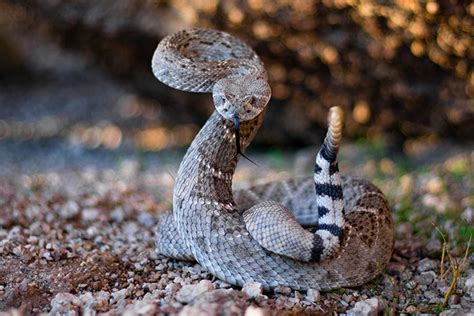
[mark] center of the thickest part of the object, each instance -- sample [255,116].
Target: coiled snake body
[257,234]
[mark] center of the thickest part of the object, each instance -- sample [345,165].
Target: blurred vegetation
[402,70]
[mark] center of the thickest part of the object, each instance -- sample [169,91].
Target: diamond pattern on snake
[321,232]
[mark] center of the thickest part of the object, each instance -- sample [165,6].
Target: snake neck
[206,172]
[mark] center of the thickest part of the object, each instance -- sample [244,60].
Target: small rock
[411,309]
[469,284]
[282,290]
[452,312]
[389,287]
[65,304]
[160,267]
[117,215]
[140,308]
[468,214]
[146,219]
[431,296]
[221,284]
[217,302]
[255,311]
[138,266]
[102,301]
[119,295]
[370,307]
[433,246]
[252,289]
[410,285]
[190,310]
[298,296]
[347,299]
[90,214]
[69,210]
[313,295]
[426,278]
[88,303]
[171,289]
[86,298]
[178,280]
[427,264]
[46,255]
[190,291]
[454,299]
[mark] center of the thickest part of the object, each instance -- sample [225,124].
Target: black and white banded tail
[276,229]
[329,197]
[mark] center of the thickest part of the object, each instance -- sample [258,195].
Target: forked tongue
[237,140]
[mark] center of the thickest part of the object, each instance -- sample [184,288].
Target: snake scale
[321,232]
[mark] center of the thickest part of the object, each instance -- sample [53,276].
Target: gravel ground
[77,237]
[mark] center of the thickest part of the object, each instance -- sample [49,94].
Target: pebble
[433,246]
[190,291]
[217,302]
[143,307]
[469,283]
[468,214]
[298,296]
[102,300]
[90,214]
[65,304]
[255,311]
[454,312]
[117,215]
[432,296]
[410,285]
[252,289]
[454,299]
[146,219]
[427,264]
[411,309]
[119,295]
[221,284]
[282,290]
[369,307]
[172,288]
[69,210]
[160,267]
[313,295]
[87,300]
[426,278]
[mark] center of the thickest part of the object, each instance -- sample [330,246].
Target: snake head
[243,97]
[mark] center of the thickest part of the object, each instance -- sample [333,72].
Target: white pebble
[370,307]
[190,291]
[313,295]
[252,289]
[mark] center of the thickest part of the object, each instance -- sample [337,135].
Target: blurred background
[75,76]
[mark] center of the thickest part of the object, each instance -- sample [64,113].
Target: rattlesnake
[251,235]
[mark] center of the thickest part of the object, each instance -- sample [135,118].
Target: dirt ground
[78,237]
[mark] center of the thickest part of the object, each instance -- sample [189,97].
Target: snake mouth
[237,140]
